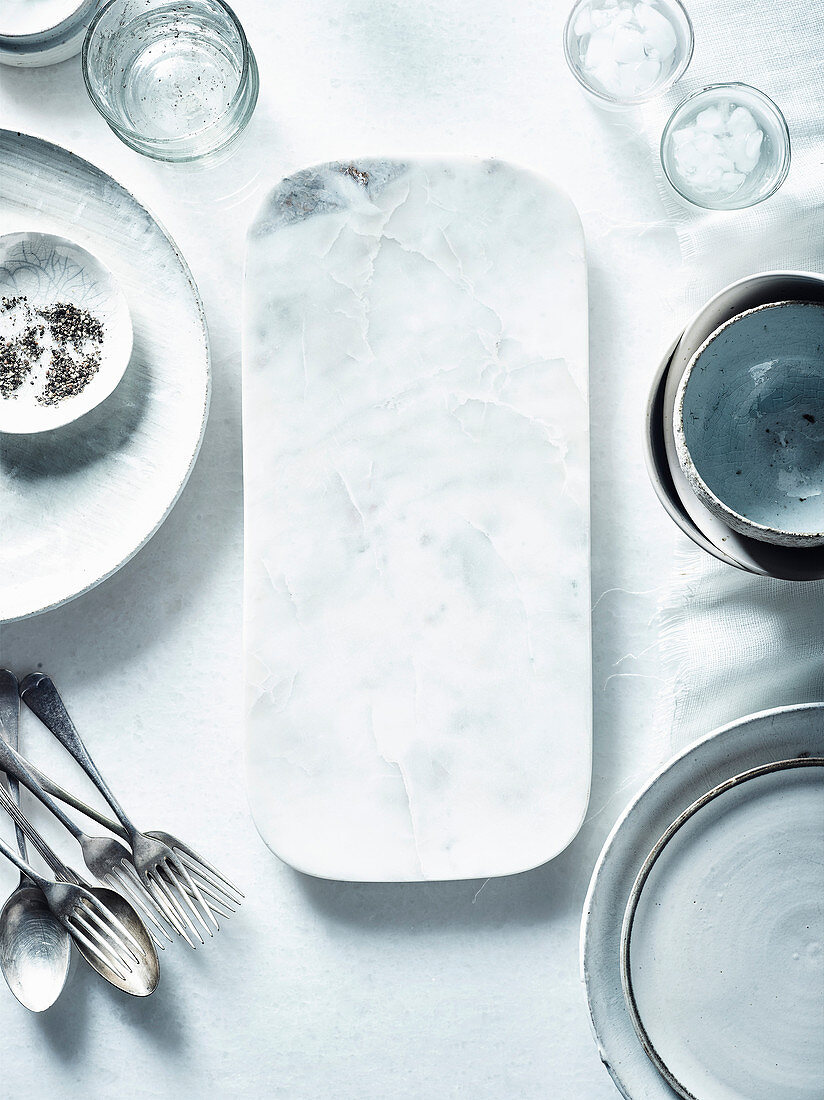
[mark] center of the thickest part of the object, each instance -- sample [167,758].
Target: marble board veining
[416,453]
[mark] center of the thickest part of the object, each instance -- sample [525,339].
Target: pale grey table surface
[321,989]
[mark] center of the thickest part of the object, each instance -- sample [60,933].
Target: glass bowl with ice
[626,52]
[726,147]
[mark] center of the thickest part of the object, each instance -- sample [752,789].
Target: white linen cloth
[733,643]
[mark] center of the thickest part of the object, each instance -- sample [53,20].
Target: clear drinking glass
[175,81]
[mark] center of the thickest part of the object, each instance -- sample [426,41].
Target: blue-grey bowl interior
[753,417]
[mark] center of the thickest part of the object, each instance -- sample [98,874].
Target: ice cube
[753,147]
[731,181]
[599,50]
[628,46]
[608,76]
[659,32]
[583,23]
[647,74]
[709,119]
[741,121]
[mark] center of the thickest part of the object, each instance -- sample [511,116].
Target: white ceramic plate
[761,920]
[77,502]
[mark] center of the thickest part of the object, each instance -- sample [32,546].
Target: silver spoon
[35,948]
[134,968]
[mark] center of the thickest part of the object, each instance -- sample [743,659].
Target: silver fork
[96,931]
[136,972]
[61,871]
[223,903]
[100,854]
[168,870]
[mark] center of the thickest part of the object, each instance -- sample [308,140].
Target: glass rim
[163,142]
[646,97]
[771,107]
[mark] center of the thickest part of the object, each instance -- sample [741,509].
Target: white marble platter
[702,959]
[77,502]
[417,612]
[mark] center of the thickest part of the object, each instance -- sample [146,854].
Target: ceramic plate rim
[658,471]
[633,1073]
[639,885]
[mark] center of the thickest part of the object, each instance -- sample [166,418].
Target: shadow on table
[547,893]
[64,1028]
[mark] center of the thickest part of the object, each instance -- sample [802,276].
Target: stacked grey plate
[706,529]
[702,928]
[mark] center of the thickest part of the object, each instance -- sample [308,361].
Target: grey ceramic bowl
[748,423]
[661,475]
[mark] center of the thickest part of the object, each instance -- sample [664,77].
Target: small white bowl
[749,423]
[44,271]
[42,32]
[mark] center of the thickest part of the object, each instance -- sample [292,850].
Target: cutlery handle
[9,728]
[13,764]
[56,791]
[41,696]
[23,824]
[23,866]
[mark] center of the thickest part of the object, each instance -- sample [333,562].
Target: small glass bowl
[615,84]
[175,81]
[762,180]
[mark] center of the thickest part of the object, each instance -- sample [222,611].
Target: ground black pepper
[76,338]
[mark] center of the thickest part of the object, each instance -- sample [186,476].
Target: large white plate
[780,952]
[417,520]
[76,503]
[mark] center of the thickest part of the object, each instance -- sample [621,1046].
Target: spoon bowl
[144,976]
[35,948]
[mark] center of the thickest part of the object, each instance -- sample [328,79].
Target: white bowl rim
[81,9]
[739,522]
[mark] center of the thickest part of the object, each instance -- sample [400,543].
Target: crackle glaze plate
[703,932]
[417,610]
[77,502]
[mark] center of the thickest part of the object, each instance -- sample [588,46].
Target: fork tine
[130,872]
[122,884]
[93,949]
[169,903]
[109,919]
[106,938]
[207,871]
[102,949]
[179,878]
[207,885]
[218,906]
